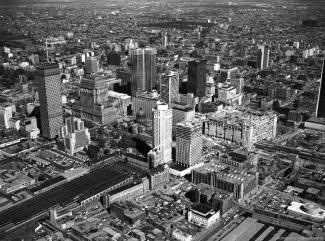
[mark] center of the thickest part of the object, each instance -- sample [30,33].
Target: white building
[5,116]
[162,132]
[202,216]
[75,135]
[121,101]
[181,236]
[228,94]
[28,126]
[309,211]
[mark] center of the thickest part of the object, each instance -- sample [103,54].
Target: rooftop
[224,171]
[240,116]
[202,210]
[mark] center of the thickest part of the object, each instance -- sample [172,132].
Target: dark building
[309,23]
[49,91]
[197,77]
[320,109]
[143,69]
[114,58]
[212,197]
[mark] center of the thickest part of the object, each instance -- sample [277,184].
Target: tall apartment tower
[189,142]
[263,56]
[144,70]
[162,132]
[320,109]
[91,65]
[169,86]
[197,77]
[49,92]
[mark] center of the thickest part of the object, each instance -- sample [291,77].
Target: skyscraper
[197,77]
[263,56]
[162,132]
[144,69]
[169,86]
[189,142]
[320,109]
[49,91]
[91,65]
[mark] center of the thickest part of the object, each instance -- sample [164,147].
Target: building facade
[91,65]
[189,143]
[162,132]
[202,215]
[5,116]
[76,137]
[94,104]
[263,55]
[144,69]
[169,86]
[242,127]
[197,77]
[145,101]
[218,176]
[49,92]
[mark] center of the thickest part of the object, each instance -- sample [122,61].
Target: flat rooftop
[224,171]
[240,116]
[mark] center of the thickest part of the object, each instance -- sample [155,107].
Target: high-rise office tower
[144,70]
[91,65]
[263,56]
[197,77]
[169,86]
[49,92]
[320,109]
[75,135]
[189,142]
[162,132]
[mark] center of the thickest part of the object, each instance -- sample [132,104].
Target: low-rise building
[181,235]
[202,215]
[309,211]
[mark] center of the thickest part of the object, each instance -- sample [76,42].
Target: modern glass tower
[49,91]
[197,77]
[144,70]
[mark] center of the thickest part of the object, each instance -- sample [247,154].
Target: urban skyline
[162,120]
